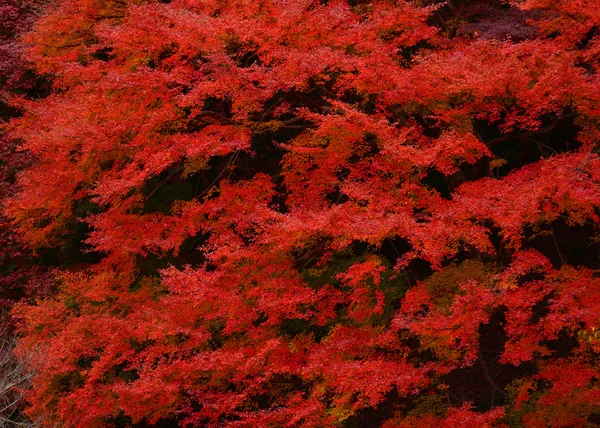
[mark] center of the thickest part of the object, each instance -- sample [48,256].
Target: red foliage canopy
[303,213]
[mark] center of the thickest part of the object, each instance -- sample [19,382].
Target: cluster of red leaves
[18,275]
[267,188]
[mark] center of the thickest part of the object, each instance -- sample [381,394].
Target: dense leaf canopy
[268,213]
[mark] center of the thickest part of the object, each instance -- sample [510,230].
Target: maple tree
[20,274]
[299,213]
